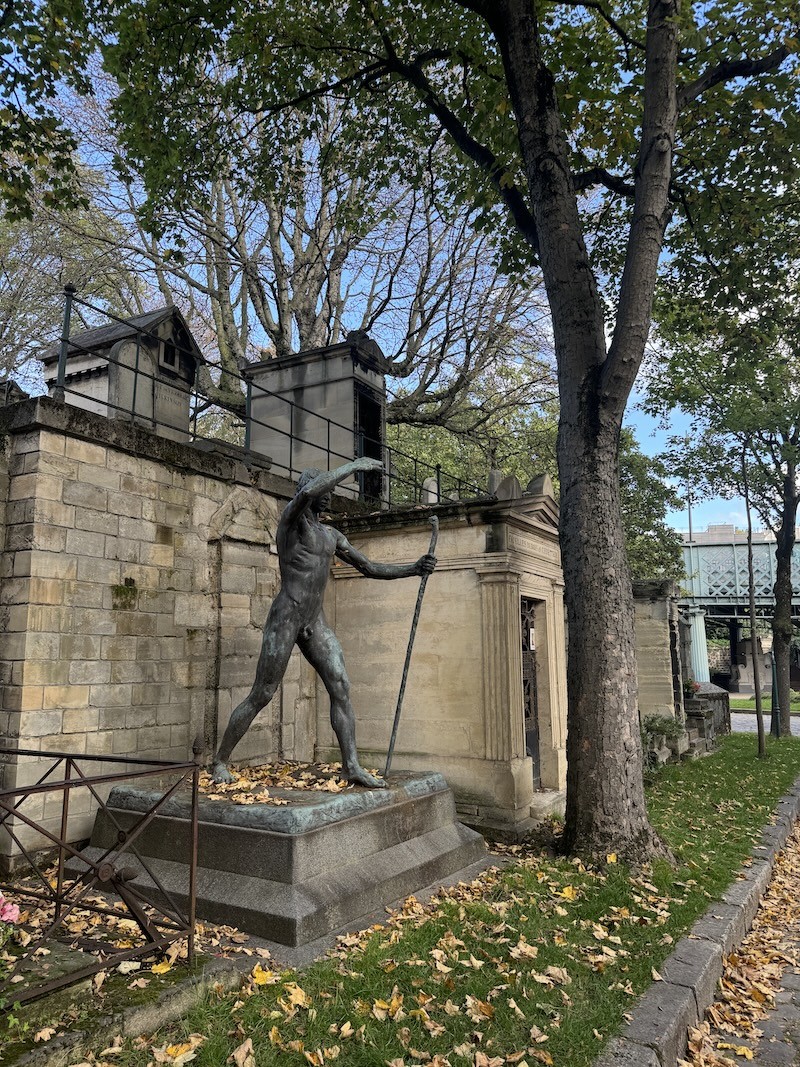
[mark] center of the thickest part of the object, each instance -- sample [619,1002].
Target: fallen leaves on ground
[753,973]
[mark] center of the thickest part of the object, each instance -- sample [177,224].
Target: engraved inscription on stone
[171,405]
[520,543]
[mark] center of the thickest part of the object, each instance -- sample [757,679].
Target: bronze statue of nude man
[305,550]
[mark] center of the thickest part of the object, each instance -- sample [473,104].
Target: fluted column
[698,649]
[502,667]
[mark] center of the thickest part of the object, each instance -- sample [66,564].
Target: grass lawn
[533,963]
[749,704]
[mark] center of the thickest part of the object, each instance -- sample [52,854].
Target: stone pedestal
[297,873]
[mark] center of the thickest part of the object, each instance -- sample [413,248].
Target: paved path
[739,1028]
[745,722]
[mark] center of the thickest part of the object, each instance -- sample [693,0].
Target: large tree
[39,255]
[549,108]
[730,319]
[42,45]
[270,258]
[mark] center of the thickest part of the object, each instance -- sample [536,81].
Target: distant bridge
[717,587]
[718,581]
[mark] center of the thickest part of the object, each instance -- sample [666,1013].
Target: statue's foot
[220,773]
[358,776]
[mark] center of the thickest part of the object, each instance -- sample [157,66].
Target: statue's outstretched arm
[325,482]
[346,552]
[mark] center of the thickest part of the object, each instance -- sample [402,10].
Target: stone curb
[656,1034]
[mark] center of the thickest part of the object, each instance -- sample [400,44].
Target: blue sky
[652,439]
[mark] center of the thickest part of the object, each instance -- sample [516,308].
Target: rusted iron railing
[159,917]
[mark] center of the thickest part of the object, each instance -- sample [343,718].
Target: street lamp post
[775,716]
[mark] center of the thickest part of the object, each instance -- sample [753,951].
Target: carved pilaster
[502,667]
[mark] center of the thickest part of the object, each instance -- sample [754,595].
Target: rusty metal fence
[160,919]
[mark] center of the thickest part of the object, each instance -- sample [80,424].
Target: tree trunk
[782,617]
[755,654]
[606,810]
[605,794]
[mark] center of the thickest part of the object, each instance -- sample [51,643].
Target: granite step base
[294,876]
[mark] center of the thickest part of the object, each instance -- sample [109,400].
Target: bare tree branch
[727,71]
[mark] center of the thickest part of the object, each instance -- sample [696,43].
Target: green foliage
[655,550]
[42,44]
[523,443]
[656,728]
[201,83]
[662,726]
[728,317]
[519,439]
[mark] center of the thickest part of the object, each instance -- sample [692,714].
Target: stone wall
[136,576]
[657,649]
[463,712]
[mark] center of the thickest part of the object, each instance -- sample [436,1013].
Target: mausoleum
[137,570]
[140,369]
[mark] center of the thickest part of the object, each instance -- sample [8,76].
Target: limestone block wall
[463,710]
[657,649]
[135,577]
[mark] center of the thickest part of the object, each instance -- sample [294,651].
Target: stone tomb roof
[103,338]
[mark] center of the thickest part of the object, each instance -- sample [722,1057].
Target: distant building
[717,588]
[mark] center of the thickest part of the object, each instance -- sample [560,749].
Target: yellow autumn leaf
[380,1009]
[260,976]
[569,892]
[542,1056]
[740,1050]
[161,968]
[611,857]
[395,1005]
[178,1050]
[297,995]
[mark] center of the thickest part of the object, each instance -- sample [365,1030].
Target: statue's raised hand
[365,463]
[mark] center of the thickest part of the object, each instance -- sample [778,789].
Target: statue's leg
[276,647]
[320,646]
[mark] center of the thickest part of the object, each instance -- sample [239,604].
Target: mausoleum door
[529,699]
[369,438]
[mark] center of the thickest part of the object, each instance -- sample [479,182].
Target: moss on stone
[123,597]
